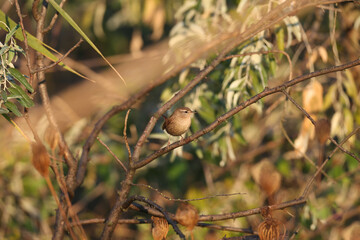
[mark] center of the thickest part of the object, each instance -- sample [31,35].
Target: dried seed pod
[322,130]
[160,228]
[51,136]
[269,229]
[187,215]
[40,158]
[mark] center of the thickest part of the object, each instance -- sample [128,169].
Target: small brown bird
[179,122]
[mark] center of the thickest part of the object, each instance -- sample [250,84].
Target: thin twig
[185,200]
[344,150]
[149,221]
[63,188]
[156,206]
[35,10]
[225,228]
[120,221]
[298,106]
[28,60]
[109,150]
[225,216]
[125,137]
[313,122]
[53,20]
[303,154]
[60,59]
[311,181]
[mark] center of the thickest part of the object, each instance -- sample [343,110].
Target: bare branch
[313,122]
[125,136]
[303,154]
[53,20]
[35,11]
[154,205]
[60,59]
[311,181]
[186,200]
[243,105]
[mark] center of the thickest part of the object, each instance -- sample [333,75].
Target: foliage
[266,154]
[11,78]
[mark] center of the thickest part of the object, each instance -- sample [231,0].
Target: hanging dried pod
[270,228]
[51,136]
[187,215]
[40,158]
[160,228]
[322,130]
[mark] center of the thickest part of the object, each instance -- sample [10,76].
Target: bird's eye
[186,111]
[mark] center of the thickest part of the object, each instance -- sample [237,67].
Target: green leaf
[3,95]
[206,111]
[13,108]
[11,33]
[4,49]
[3,111]
[280,39]
[16,74]
[23,98]
[11,56]
[33,42]
[78,29]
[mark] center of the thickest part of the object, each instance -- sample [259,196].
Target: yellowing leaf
[78,29]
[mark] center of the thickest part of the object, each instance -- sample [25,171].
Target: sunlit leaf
[16,74]
[24,99]
[11,33]
[4,49]
[13,108]
[3,111]
[280,39]
[33,42]
[81,32]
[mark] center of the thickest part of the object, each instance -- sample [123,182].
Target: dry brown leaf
[312,102]
[323,54]
[312,59]
[270,229]
[51,136]
[352,232]
[312,97]
[160,228]
[40,158]
[187,215]
[267,177]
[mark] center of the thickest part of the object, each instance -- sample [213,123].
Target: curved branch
[154,205]
[243,105]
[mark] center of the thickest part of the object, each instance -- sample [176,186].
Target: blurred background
[266,152]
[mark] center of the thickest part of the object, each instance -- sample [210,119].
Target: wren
[179,122]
